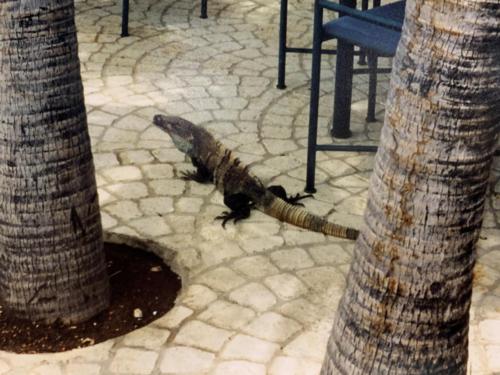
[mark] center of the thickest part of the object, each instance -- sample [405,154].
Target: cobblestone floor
[258,298]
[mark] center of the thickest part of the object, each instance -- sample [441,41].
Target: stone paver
[273,327]
[240,368]
[174,317]
[185,360]
[255,266]
[286,286]
[493,359]
[292,366]
[83,368]
[227,315]
[249,348]
[198,296]
[135,361]
[254,295]
[147,337]
[259,297]
[307,345]
[4,367]
[221,279]
[47,369]
[130,190]
[201,335]
[292,259]
[123,173]
[489,330]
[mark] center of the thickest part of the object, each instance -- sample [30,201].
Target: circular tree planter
[143,288]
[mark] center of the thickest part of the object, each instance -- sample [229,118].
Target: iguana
[242,191]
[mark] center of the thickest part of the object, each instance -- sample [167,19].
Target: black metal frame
[126,8]
[125,11]
[343,84]
[203,13]
[360,15]
[283,49]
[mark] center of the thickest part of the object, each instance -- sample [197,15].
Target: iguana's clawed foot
[240,205]
[280,192]
[201,174]
[234,215]
[194,176]
[296,198]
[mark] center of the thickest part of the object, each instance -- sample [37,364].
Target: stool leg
[125,10]
[362,52]
[343,90]
[203,9]
[282,44]
[314,99]
[372,86]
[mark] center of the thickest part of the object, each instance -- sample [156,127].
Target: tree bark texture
[406,306]
[51,259]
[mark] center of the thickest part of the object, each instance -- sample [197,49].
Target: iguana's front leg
[201,175]
[280,192]
[240,205]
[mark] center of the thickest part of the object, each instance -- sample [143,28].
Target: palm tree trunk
[51,260]
[406,306]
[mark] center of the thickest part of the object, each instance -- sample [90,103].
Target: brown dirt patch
[139,280]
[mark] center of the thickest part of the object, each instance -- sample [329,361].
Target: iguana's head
[181,131]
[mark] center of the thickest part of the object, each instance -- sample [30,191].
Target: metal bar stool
[283,48]
[376,31]
[125,12]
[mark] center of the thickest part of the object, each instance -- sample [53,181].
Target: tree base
[138,280]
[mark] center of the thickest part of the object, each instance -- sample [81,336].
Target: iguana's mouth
[172,124]
[181,131]
[159,121]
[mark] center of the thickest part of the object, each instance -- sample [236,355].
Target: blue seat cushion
[381,40]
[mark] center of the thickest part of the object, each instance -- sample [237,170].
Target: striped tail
[296,215]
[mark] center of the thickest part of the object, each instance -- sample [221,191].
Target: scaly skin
[217,164]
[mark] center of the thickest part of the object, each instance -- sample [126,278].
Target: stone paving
[259,297]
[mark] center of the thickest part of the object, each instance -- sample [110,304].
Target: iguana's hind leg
[240,205]
[280,192]
[201,175]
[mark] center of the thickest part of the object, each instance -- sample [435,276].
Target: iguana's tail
[298,216]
